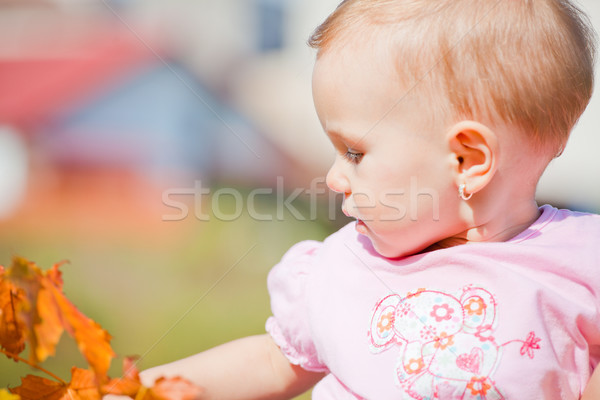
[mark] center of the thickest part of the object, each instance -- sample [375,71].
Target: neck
[502,227]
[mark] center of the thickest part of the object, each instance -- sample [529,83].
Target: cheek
[399,170]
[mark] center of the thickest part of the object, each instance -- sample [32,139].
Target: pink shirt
[511,320]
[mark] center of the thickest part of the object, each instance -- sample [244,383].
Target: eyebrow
[343,136]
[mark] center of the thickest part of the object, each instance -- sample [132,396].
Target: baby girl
[452,283]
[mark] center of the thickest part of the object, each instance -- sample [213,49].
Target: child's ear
[474,149]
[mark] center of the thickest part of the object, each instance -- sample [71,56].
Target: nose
[337,180]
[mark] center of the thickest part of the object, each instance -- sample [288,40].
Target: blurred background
[104,105]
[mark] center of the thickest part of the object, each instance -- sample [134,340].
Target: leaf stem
[16,357]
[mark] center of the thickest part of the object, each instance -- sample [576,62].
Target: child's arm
[592,390]
[248,368]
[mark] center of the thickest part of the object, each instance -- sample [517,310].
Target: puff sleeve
[290,324]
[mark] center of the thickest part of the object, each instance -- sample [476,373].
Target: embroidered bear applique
[445,343]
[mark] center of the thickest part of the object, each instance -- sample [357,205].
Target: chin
[388,252]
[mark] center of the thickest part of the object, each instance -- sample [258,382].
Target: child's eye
[353,157]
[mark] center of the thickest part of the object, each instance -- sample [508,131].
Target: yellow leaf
[6,395]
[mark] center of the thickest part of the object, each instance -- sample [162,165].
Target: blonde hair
[526,63]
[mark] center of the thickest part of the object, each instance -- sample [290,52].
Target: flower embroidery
[386,322]
[442,312]
[403,309]
[530,344]
[443,341]
[416,293]
[478,386]
[484,333]
[475,306]
[428,332]
[414,366]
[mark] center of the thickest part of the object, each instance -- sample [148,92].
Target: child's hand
[271,375]
[115,397]
[175,388]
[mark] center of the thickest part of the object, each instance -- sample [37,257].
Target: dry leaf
[82,387]
[164,388]
[173,389]
[34,309]
[129,384]
[12,329]
[35,387]
[46,312]
[92,340]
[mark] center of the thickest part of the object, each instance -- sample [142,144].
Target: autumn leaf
[92,340]
[34,309]
[46,312]
[6,395]
[82,387]
[129,384]
[12,336]
[83,384]
[27,277]
[50,327]
[176,388]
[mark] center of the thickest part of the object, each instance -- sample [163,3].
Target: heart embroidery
[471,362]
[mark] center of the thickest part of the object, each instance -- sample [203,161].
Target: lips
[361,227]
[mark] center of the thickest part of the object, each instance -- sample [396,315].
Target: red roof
[48,74]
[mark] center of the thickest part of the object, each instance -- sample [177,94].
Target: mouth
[360,227]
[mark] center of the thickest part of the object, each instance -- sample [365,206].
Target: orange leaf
[42,324]
[49,329]
[173,389]
[46,313]
[130,370]
[12,329]
[164,388]
[34,388]
[129,384]
[83,384]
[92,340]
[82,387]
[25,277]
